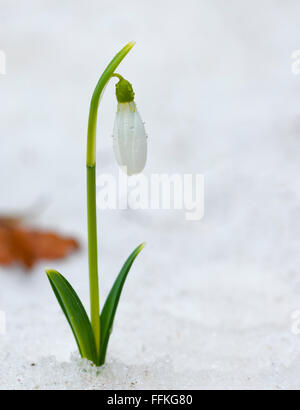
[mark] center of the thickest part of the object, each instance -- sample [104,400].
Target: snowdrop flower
[129,135]
[92,334]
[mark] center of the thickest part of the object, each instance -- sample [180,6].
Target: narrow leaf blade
[109,310]
[75,315]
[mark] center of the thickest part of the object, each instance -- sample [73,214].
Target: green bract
[92,336]
[124,91]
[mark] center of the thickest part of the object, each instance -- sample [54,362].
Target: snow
[208,304]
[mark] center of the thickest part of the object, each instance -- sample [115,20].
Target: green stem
[91,191]
[93,253]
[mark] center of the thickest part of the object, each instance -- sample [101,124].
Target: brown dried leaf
[19,244]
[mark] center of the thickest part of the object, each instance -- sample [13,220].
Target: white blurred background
[213,83]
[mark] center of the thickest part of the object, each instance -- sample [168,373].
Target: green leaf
[111,304]
[75,314]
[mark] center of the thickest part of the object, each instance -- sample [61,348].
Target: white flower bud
[130,139]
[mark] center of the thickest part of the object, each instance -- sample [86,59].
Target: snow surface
[208,304]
